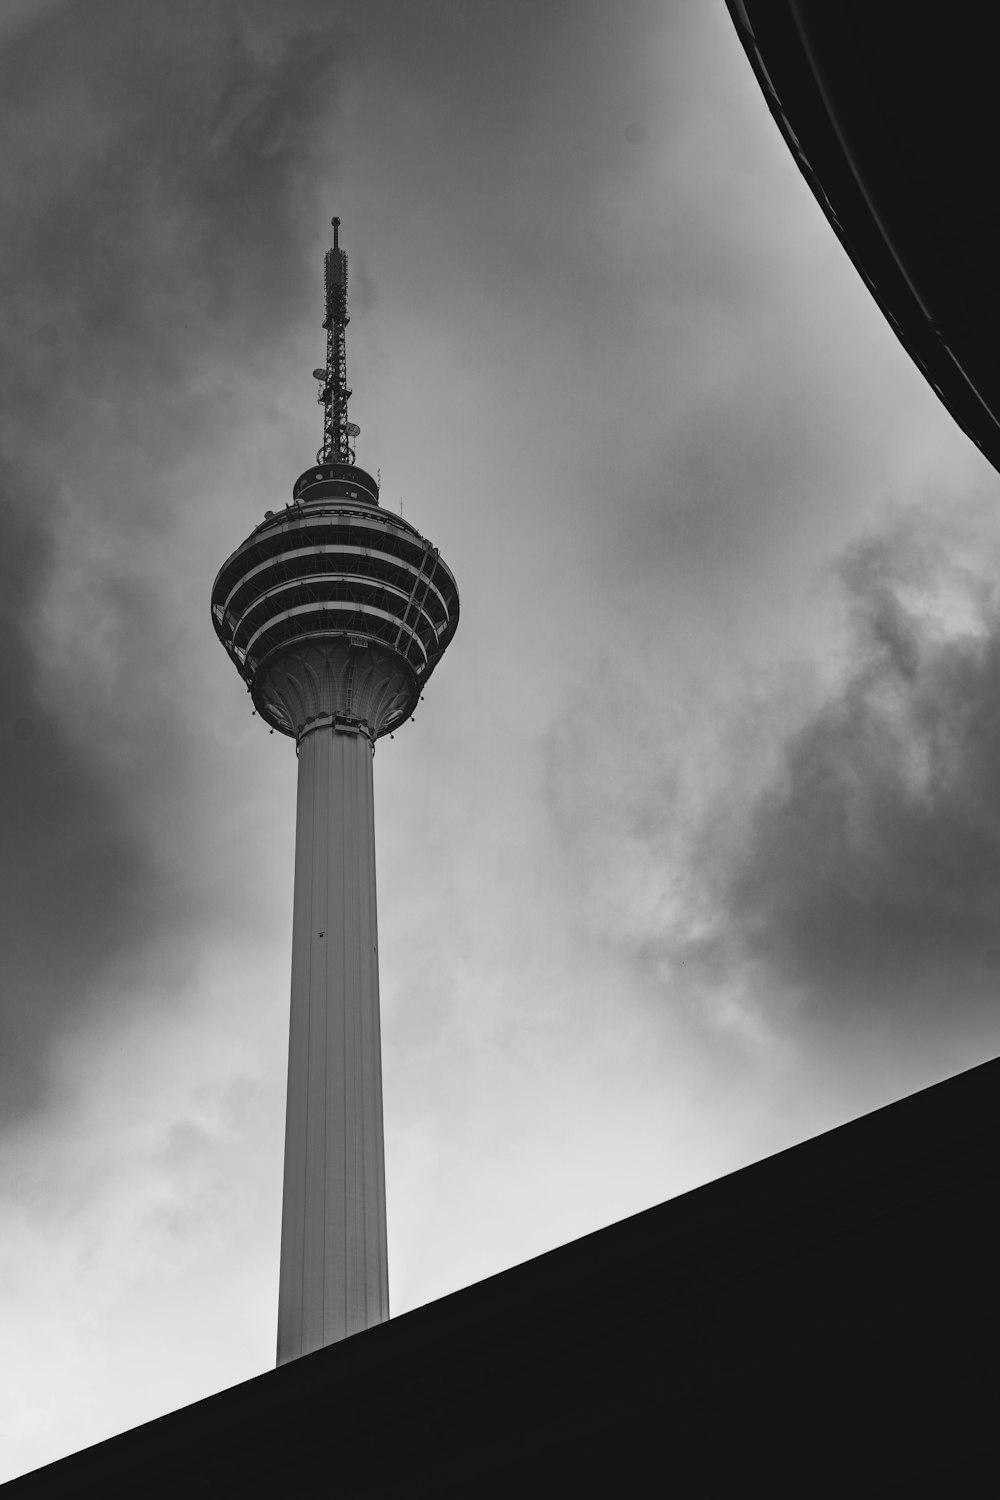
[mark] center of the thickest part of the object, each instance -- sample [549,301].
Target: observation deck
[334,610]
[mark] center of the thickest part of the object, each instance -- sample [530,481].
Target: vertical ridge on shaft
[334,1263]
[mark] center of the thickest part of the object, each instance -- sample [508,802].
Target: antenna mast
[338,432]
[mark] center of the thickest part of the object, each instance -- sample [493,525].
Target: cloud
[820,857]
[871,875]
[152,267]
[75,883]
[857,894]
[152,164]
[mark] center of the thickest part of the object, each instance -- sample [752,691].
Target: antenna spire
[333,397]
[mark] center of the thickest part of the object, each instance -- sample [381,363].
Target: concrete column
[334,1261]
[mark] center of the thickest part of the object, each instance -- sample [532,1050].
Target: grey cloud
[148,201]
[75,885]
[151,178]
[869,880]
[827,867]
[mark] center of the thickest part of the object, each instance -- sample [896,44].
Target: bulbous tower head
[334,610]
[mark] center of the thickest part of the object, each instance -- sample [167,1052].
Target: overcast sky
[693,850]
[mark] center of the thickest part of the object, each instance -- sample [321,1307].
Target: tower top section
[333,611]
[338,432]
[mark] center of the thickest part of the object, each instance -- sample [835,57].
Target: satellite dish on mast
[319,374]
[353,429]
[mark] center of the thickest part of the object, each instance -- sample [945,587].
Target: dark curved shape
[890,112]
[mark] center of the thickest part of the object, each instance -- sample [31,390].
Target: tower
[335,613]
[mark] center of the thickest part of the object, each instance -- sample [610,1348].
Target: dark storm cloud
[869,881]
[811,863]
[75,885]
[147,199]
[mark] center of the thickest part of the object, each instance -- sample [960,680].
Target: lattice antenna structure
[338,432]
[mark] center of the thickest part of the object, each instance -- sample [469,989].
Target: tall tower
[335,613]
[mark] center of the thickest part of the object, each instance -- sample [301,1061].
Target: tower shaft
[334,1260]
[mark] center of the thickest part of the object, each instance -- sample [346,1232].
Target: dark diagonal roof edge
[822,1323]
